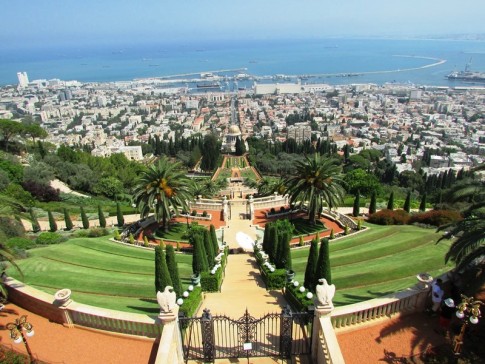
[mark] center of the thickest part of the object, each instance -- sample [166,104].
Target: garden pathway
[242,287]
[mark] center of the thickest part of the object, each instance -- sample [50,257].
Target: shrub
[84,219]
[389,217]
[20,243]
[67,220]
[435,217]
[204,213]
[52,221]
[211,282]
[332,234]
[272,211]
[117,235]
[11,227]
[145,241]
[297,299]
[131,239]
[97,232]
[194,213]
[41,192]
[192,303]
[102,219]
[48,238]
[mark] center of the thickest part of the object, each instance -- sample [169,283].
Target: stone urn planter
[195,279]
[63,296]
[424,279]
[290,275]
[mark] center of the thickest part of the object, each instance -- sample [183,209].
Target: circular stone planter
[424,280]
[290,275]
[63,296]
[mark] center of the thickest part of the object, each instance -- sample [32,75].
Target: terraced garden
[380,261]
[99,273]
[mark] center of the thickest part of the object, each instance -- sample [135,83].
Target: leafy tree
[360,180]
[173,270]
[373,203]
[84,219]
[35,131]
[164,187]
[52,222]
[108,186]
[422,205]
[162,275]
[323,264]
[67,220]
[9,129]
[317,181]
[412,180]
[119,215]
[311,265]
[356,208]
[407,203]
[390,203]
[102,219]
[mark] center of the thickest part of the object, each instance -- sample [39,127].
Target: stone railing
[72,313]
[400,303]
[202,205]
[341,219]
[325,347]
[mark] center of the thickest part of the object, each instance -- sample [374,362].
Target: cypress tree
[407,203]
[35,222]
[102,220]
[198,257]
[209,249]
[323,264]
[390,203]
[67,220]
[356,209]
[119,215]
[84,219]
[215,243]
[284,255]
[173,270]
[274,241]
[373,203]
[422,205]
[266,244]
[52,222]
[162,276]
[311,265]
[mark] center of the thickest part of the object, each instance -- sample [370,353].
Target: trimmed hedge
[389,217]
[272,280]
[192,303]
[212,282]
[298,300]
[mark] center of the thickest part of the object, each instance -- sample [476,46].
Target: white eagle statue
[167,299]
[324,293]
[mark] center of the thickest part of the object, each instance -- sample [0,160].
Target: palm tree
[317,181]
[163,188]
[469,245]
[206,188]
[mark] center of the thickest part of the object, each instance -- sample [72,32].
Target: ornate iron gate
[214,337]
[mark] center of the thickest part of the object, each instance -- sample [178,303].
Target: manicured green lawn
[303,226]
[379,261]
[99,272]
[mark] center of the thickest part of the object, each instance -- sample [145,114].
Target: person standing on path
[436,295]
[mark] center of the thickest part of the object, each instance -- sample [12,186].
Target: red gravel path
[393,338]
[54,343]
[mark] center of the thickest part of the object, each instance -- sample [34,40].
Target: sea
[330,60]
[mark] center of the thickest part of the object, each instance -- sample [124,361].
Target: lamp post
[467,310]
[17,333]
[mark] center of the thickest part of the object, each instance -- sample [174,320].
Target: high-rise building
[23,79]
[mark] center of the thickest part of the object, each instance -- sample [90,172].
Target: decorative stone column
[251,207]
[225,208]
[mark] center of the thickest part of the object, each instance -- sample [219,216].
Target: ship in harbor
[467,75]
[209,85]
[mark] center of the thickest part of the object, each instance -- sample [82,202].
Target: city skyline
[119,22]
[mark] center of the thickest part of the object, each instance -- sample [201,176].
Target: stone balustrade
[325,344]
[404,302]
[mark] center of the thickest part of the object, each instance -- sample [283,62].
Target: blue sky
[27,23]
